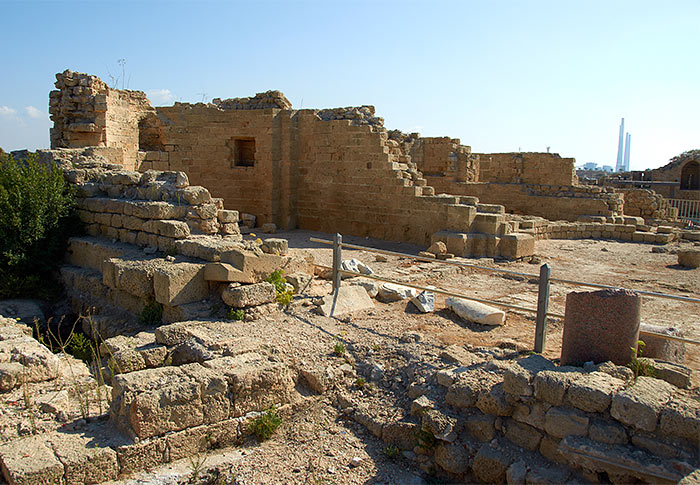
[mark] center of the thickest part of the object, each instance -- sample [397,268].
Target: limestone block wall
[205,142]
[87,112]
[527,168]
[588,420]
[648,204]
[554,202]
[445,156]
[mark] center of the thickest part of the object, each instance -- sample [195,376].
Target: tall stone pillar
[599,326]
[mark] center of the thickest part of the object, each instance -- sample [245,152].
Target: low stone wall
[648,204]
[491,418]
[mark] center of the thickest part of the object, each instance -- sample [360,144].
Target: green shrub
[284,294]
[236,314]
[36,220]
[339,348]
[152,314]
[639,365]
[266,424]
[392,452]
[80,347]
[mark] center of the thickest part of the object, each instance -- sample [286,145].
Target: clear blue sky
[499,75]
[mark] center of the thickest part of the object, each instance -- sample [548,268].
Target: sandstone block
[254,267]
[221,272]
[481,426]
[85,459]
[227,216]
[401,434]
[551,386]
[466,387]
[561,422]
[241,296]
[442,426]
[300,281]
[276,246]
[254,382]
[455,457]
[194,195]
[493,401]
[389,292]
[681,417]
[517,245]
[607,431]
[639,406]
[347,299]
[523,435]
[661,348]
[172,229]
[153,402]
[593,392]
[492,462]
[30,461]
[690,258]
[180,283]
[518,378]
[268,228]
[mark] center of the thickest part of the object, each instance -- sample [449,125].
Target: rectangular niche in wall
[244,152]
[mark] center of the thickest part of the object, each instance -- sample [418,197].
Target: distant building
[607,168]
[590,166]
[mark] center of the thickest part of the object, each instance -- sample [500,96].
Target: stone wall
[673,172]
[527,168]
[554,202]
[87,112]
[648,204]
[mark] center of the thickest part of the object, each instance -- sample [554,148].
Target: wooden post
[542,308]
[337,259]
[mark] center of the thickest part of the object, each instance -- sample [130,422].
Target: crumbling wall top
[268,99]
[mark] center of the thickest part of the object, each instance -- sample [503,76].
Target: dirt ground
[620,264]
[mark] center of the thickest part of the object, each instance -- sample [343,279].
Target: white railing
[688,210]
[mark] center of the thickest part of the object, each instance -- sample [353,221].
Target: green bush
[80,347]
[266,424]
[284,294]
[152,314]
[36,220]
[236,314]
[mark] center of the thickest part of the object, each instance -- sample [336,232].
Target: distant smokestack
[628,141]
[619,166]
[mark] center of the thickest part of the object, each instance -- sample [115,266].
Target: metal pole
[337,258]
[542,306]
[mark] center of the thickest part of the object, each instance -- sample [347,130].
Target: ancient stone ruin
[170,196]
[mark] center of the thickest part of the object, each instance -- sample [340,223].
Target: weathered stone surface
[300,281]
[481,426]
[173,229]
[26,310]
[421,405]
[455,457]
[268,228]
[681,417]
[492,462]
[153,402]
[690,258]
[372,287]
[401,434]
[607,431]
[518,378]
[523,435]
[275,246]
[30,461]
[142,455]
[256,266]
[347,299]
[493,401]
[516,473]
[533,414]
[180,283]
[676,374]
[617,459]
[241,296]
[254,382]
[561,422]
[227,216]
[593,392]
[600,326]
[389,292]
[86,459]
[468,385]
[661,348]
[476,312]
[24,359]
[442,426]
[639,406]
[223,272]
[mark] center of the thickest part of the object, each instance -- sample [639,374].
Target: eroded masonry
[164,271]
[340,170]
